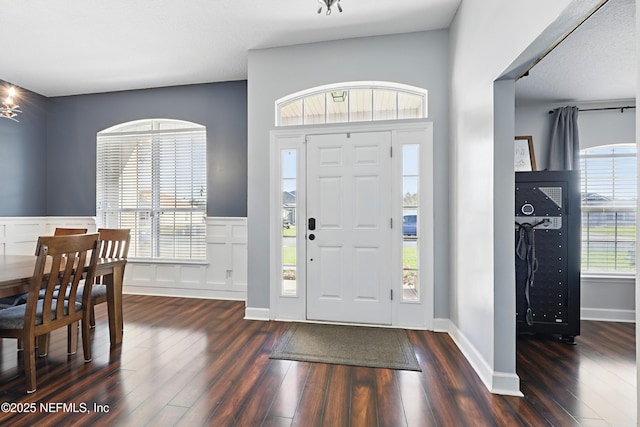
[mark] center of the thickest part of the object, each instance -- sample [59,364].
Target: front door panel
[348,252]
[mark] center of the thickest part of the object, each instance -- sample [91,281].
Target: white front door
[349,227]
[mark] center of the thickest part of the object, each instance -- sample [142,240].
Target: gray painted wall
[22,159]
[74,121]
[594,127]
[419,59]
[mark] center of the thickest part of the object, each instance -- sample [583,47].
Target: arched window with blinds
[152,179]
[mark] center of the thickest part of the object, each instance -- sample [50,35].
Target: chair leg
[92,320]
[86,340]
[72,338]
[20,345]
[43,345]
[30,363]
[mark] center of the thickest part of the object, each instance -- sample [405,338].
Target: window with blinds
[152,179]
[609,194]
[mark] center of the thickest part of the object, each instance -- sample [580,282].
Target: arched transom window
[352,102]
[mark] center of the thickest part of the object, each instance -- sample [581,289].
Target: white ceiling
[597,62]
[69,47]
[89,46]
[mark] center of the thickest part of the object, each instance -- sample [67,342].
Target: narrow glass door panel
[410,223]
[289,221]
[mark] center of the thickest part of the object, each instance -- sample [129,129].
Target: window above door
[352,102]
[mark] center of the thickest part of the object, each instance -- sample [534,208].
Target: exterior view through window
[352,102]
[608,187]
[152,179]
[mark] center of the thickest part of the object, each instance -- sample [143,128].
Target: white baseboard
[254,313]
[441,325]
[608,315]
[184,293]
[504,383]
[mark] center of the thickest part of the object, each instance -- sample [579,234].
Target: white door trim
[418,314]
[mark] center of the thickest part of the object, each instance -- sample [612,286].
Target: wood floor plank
[259,399]
[337,408]
[288,395]
[187,362]
[416,404]
[389,399]
[311,407]
[363,398]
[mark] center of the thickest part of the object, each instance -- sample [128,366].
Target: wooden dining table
[16,272]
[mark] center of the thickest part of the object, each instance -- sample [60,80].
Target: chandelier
[9,109]
[329,3]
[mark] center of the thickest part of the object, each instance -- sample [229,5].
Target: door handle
[312,224]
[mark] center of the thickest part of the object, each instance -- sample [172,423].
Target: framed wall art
[525,159]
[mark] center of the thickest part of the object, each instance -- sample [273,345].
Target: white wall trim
[441,325]
[184,293]
[496,382]
[222,276]
[254,313]
[19,234]
[608,315]
[506,384]
[417,315]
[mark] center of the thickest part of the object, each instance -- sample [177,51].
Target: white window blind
[152,179]
[609,193]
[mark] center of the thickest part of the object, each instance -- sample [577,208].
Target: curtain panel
[564,151]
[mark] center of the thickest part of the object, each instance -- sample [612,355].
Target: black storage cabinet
[547,235]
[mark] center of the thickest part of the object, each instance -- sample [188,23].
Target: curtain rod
[604,108]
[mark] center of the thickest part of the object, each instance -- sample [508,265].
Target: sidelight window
[288,173]
[410,229]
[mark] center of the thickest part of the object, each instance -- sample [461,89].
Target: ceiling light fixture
[9,109]
[329,3]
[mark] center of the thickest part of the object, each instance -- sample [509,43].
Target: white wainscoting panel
[19,235]
[222,276]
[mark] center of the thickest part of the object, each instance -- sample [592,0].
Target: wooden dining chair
[44,340]
[62,262]
[114,243]
[64,232]
[69,231]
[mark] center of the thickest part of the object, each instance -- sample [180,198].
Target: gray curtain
[564,149]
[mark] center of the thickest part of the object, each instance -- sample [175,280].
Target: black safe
[547,246]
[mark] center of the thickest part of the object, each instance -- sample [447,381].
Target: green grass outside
[410,257]
[289,255]
[623,231]
[289,232]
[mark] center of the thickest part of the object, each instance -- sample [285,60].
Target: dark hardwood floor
[189,362]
